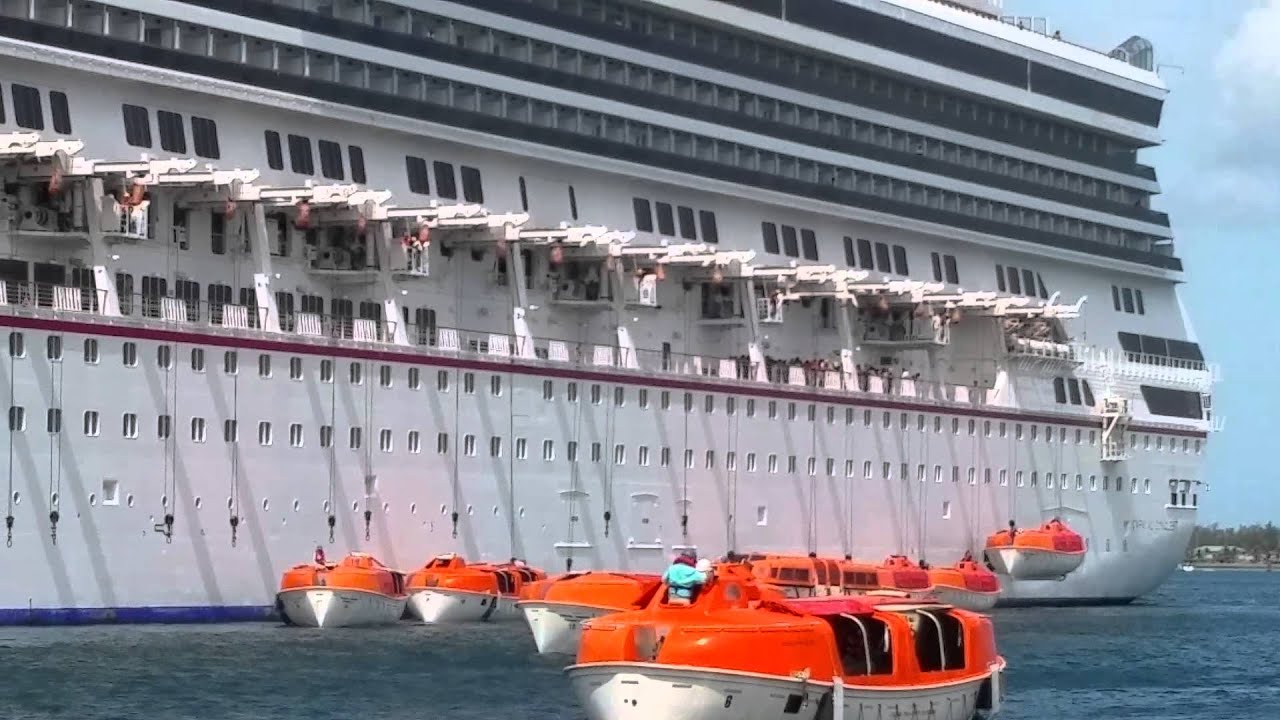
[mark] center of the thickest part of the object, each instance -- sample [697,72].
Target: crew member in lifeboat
[684,578]
[320,560]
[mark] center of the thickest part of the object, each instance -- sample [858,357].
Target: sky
[1219,169]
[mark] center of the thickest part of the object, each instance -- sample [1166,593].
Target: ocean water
[1204,646]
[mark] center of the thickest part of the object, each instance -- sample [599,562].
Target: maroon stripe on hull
[328,349]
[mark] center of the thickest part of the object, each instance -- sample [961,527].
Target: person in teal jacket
[683,579]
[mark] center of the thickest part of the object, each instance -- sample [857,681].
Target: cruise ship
[581,282]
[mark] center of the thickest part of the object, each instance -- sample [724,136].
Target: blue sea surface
[1202,647]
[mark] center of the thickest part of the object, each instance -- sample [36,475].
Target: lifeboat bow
[355,592]
[1049,552]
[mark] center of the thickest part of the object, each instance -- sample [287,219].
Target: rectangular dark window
[573,203]
[137,126]
[953,274]
[1172,403]
[446,185]
[1115,297]
[1000,283]
[472,189]
[61,112]
[189,292]
[936,259]
[1015,280]
[524,193]
[865,260]
[1044,294]
[1088,393]
[809,244]
[173,134]
[1127,295]
[28,112]
[204,135]
[882,257]
[1137,299]
[356,155]
[900,261]
[2,120]
[790,247]
[1059,391]
[275,156]
[688,230]
[1029,282]
[666,219]
[708,221]
[849,258]
[1073,386]
[416,168]
[331,159]
[770,233]
[300,159]
[644,214]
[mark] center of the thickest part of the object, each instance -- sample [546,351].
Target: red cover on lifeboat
[832,605]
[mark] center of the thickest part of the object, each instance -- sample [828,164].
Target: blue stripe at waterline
[137,615]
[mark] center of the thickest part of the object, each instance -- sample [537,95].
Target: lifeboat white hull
[333,607]
[641,691]
[965,598]
[557,627]
[438,605]
[1033,563]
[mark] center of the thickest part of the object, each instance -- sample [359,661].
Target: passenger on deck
[968,556]
[1013,530]
[319,555]
[684,578]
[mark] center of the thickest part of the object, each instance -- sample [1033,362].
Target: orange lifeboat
[448,590]
[1046,553]
[556,608]
[967,585]
[356,591]
[735,655]
[801,576]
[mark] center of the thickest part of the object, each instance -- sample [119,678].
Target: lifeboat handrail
[942,645]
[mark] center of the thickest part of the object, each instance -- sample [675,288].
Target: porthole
[327,506]
[164,501]
[355,505]
[230,503]
[53,499]
[17,498]
[296,505]
[413,508]
[444,510]
[386,508]
[93,499]
[471,510]
[495,511]
[199,502]
[522,512]
[129,500]
[266,504]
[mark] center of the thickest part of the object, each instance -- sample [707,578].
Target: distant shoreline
[1233,566]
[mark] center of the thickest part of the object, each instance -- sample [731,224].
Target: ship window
[952,274]
[936,259]
[849,257]
[472,189]
[688,230]
[53,347]
[866,260]
[416,168]
[27,110]
[385,440]
[264,433]
[137,125]
[300,160]
[882,257]
[790,247]
[173,135]
[770,233]
[524,194]
[356,437]
[2,120]
[17,418]
[60,111]
[446,185]
[91,351]
[331,160]
[1059,390]
[197,428]
[809,244]
[900,261]
[295,435]
[356,154]
[164,426]
[644,214]
[666,220]
[230,431]
[573,203]
[1073,386]
[275,157]
[707,220]
[204,135]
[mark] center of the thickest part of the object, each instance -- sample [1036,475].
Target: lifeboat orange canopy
[802,576]
[967,585]
[746,655]
[556,608]
[1046,553]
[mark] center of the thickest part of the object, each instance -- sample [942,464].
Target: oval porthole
[495,511]
[53,499]
[296,505]
[230,503]
[17,498]
[93,499]
[413,508]
[444,510]
[386,508]
[199,502]
[471,510]
[355,505]
[266,504]
[129,500]
[522,511]
[327,507]
[164,501]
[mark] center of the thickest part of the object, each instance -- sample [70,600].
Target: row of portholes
[266,504]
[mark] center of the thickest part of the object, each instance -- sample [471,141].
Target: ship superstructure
[579,281]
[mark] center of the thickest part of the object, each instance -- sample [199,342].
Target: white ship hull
[476,458]
[639,691]
[438,606]
[330,608]
[557,627]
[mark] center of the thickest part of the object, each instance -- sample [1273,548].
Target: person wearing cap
[684,577]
